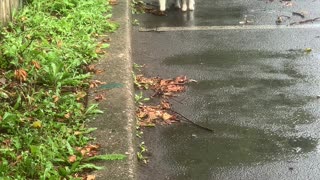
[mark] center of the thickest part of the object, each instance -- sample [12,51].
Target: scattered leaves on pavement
[152,115]
[163,87]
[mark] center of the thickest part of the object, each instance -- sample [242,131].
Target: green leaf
[4,95]
[90,130]
[70,149]
[18,102]
[35,150]
[90,166]
[75,166]
[105,45]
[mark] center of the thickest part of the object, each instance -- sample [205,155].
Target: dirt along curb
[116,126]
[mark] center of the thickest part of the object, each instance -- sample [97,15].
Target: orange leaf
[72,159]
[20,75]
[67,116]
[55,98]
[165,105]
[100,97]
[96,83]
[36,64]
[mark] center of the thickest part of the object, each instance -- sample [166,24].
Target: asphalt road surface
[257,87]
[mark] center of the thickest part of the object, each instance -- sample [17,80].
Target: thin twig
[298,14]
[305,21]
[188,120]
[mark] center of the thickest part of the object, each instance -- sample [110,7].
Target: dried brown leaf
[55,98]
[100,97]
[36,64]
[77,133]
[96,83]
[165,105]
[113,2]
[67,115]
[174,88]
[166,116]
[80,95]
[72,159]
[21,75]
[91,177]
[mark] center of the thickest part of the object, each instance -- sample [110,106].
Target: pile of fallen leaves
[164,89]
[149,116]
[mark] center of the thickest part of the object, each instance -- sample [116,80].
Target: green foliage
[42,114]
[140,154]
[139,98]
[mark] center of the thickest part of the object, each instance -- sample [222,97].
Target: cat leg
[184,5]
[177,4]
[162,5]
[191,5]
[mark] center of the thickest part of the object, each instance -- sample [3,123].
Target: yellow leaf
[308,50]
[37,124]
[166,116]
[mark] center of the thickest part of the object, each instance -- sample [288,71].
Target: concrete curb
[116,127]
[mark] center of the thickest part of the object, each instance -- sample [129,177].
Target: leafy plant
[42,88]
[140,154]
[139,98]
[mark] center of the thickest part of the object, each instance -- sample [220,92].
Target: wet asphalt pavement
[256,88]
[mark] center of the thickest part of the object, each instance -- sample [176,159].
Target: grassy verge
[43,85]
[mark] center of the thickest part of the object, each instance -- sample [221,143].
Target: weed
[139,98]
[140,154]
[135,22]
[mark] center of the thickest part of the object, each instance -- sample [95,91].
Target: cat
[184,7]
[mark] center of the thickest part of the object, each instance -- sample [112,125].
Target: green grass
[43,86]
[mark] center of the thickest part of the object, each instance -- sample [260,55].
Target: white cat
[184,7]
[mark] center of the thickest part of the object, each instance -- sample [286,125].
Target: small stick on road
[188,120]
[305,21]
